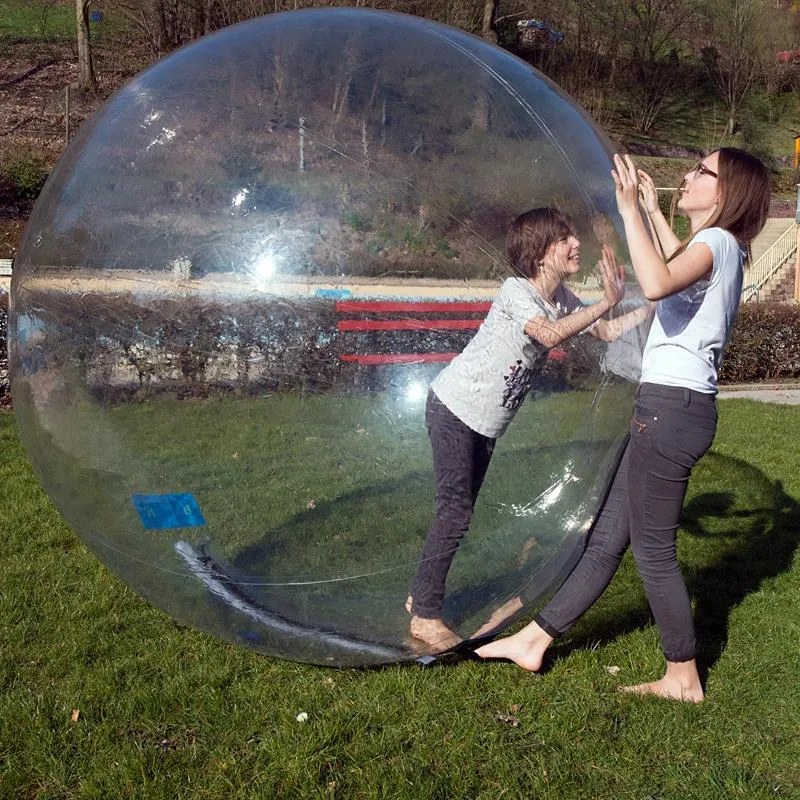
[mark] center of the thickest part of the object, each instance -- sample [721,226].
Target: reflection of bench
[409,317]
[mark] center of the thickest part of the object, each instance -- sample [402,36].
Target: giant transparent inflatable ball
[234,292]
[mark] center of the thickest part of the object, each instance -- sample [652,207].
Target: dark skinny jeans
[670,431]
[460,459]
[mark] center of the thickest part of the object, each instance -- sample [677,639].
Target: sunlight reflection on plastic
[231,299]
[416,392]
[265,266]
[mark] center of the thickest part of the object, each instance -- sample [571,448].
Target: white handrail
[761,270]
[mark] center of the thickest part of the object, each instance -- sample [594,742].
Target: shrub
[764,345]
[182,346]
[26,176]
[358,222]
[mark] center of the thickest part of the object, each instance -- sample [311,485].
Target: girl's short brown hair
[531,233]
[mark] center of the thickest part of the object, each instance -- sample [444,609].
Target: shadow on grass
[734,540]
[763,550]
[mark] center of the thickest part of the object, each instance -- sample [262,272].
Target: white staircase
[773,252]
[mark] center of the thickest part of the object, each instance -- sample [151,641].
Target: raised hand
[626,183]
[612,275]
[647,192]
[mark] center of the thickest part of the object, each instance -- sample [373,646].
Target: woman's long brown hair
[744,189]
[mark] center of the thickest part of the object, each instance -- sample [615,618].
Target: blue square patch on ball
[161,511]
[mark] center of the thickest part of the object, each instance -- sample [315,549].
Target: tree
[86,76]
[487,28]
[735,50]
[654,28]
[480,111]
[593,47]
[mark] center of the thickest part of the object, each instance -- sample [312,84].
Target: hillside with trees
[666,79]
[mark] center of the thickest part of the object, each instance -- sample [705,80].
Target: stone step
[780,289]
[774,228]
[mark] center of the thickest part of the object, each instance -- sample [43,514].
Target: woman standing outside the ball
[473,399]
[697,289]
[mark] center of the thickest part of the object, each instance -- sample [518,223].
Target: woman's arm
[607,330]
[661,228]
[551,334]
[656,277]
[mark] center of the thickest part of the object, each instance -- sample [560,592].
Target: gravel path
[788,394]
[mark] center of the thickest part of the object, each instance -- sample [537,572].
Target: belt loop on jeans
[687,398]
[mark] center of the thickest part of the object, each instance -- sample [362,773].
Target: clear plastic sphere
[231,298]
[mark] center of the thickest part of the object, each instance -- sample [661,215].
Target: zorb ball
[234,292]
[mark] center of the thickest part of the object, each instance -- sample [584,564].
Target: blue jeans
[671,430]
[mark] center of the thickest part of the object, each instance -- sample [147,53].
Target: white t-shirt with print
[691,328]
[486,383]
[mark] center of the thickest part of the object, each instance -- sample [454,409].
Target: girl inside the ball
[697,288]
[472,401]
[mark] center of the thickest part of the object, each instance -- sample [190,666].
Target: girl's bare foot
[435,633]
[526,648]
[498,617]
[681,682]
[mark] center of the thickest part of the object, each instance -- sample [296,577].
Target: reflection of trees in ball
[183,267]
[418,173]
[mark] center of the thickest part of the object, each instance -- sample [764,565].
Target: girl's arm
[607,330]
[656,277]
[661,228]
[551,334]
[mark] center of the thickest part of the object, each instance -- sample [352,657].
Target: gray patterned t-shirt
[485,384]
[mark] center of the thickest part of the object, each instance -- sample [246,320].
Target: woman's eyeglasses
[702,169]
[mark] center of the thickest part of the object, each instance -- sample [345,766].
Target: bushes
[197,349]
[765,345]
[20,183]
[26,176]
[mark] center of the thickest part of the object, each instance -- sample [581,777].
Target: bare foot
[498,617]
[663,688]
[526,648]
[681,682]
[526,549]
[435,633]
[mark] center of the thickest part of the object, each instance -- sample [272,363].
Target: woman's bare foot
[526,549]
[681,682]
[526,648]
[498,617]
[435,633]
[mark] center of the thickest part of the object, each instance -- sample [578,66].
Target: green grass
[40,20]
[167,712]
[314,503]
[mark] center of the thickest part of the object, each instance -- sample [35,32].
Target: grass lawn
[104,696]
[41,20]
[317,507]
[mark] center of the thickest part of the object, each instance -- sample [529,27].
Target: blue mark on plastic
[251,637]
[333,294]
[160,511]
